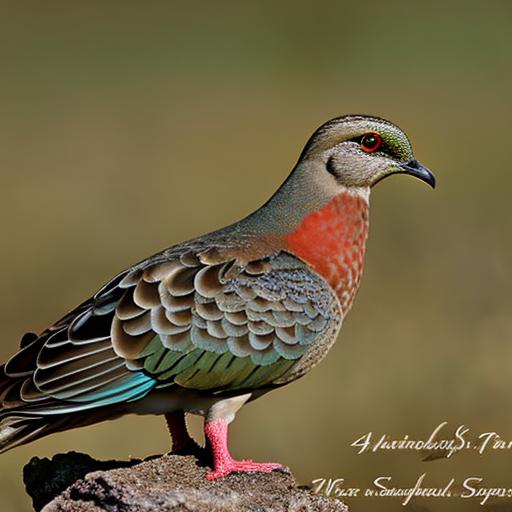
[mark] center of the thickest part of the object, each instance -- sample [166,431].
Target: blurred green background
[129,126]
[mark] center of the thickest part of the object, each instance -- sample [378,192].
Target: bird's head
[359,151]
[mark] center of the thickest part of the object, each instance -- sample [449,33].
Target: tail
[18,430]
[17,426]
[21,423]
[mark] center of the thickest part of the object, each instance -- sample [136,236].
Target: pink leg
[181,440]
[216,432]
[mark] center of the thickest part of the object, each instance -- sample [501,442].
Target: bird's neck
[320,222]
[332,239]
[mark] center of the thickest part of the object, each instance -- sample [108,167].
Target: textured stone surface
[167,483]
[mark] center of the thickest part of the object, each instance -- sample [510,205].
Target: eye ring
[371,142]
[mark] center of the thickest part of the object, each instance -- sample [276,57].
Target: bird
[208,325]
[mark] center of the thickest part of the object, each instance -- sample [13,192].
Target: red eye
[371,142]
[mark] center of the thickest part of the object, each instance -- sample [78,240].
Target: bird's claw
[244,466]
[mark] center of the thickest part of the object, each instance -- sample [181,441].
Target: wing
[199,319]
[204,324]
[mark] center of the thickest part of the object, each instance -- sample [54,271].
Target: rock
[75,482]
[45,479]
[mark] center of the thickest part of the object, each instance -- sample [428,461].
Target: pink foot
[216,432]
[242,466]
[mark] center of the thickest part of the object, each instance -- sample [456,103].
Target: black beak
[414,168]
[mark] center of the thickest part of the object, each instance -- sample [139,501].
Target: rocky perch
[75,482]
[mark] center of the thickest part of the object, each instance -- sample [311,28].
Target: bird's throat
[333,241]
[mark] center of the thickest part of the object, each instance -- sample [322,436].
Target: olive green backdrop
[129,126]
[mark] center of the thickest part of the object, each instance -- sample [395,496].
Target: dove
[211,324]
